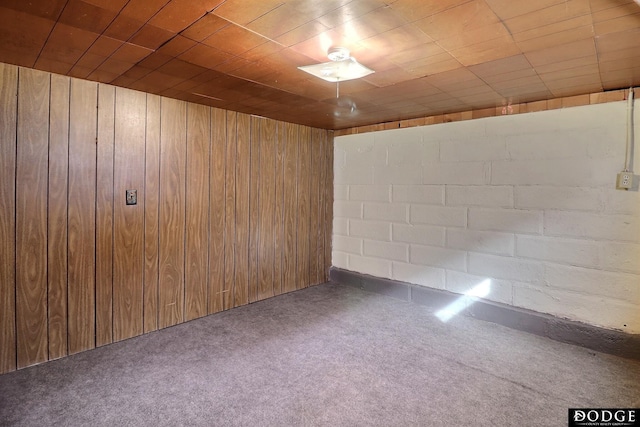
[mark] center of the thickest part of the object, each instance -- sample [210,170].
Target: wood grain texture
[8,122]
[104,215]
[290,258]
[217,173]
[151,213]
[81,217]
[278,221]
[320,169]
[172,211]
[314,202]
[328,204]
[243,170]
[254,206]
[31,217]
[304,172]
[231,209]
[197,244]
[230,212]
[267,199]
[128,220]
[57,215]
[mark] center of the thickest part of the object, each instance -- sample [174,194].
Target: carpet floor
[329,355]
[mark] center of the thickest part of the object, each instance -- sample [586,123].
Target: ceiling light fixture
[341,68]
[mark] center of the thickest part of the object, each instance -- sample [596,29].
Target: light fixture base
[338,53]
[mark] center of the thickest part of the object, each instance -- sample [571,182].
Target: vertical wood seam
[208,268]
[185,241]
[113,212]
[15,225]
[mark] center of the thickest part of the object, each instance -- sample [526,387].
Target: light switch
[132,197]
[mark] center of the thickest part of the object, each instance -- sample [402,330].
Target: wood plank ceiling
[430,56]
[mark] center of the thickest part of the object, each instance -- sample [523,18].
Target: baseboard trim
[608,341]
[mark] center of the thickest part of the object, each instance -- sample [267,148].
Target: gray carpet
[325,356]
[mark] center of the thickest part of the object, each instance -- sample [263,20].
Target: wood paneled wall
[232,209]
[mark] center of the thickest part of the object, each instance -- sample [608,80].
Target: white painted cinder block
[340,226]
[606,142]
[438,215]
[506,220]
[420,194]
[459,173]
[340,259]
[481,241]
[418,274]
[548,145]
[580,307]
[621,202]
[589,116]
[461,283]
[353,175]
[623,257]
[479,195]
[394,212]
[584,253]
[590,281]
[412,153]
[565,198]
[524,200]
[346,209]
[508,268]
[438,257]
[386,250]
[421,234]
[376,230]
[340,192]
[370,193]
[561,172]
[347,244]
[625,228]
[374,266]
[394,174]
[353,160]
[412,135]
[473,148]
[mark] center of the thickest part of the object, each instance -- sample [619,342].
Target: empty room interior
[319,213]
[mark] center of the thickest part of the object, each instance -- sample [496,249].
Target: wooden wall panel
[128,220]
[254,206]
[328,202]
[231,209]
[289,260]
[197,197]
[278,222]
[172,211]
[314,202]
[317,198]
[243,170]
[217,211]
[266,207]
[230,212]
[81,214]
[57,215]
[31,217]
[151,214]
[8,121]
[104,215]
[304,172]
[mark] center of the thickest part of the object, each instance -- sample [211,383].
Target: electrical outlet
[624,181]
[132,197]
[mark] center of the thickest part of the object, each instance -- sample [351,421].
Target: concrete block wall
[527,201]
